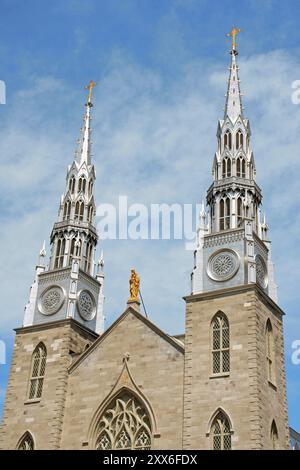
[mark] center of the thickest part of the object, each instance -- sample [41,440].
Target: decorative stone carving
[223,239]
[86,305]
[223,265]
[124,425]
[51,300]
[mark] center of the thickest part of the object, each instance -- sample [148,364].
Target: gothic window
[228,140]
[81,184]
[26,443]
[225,213]
[226,167]
[270,352]
[75,249]
[220,344]
[72,185]
[124,425]
[241,167]
[67,210]
[79,210]
[274,436]
[221,434]
[38,366]
[88,256]
[239,139]
[90,187]
[60,252]
[239,211]
[90,214]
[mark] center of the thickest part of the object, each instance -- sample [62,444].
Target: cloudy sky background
[161,69]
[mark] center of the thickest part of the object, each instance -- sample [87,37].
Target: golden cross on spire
[233,33]
[90,87]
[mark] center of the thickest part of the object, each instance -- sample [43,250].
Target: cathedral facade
[220,385]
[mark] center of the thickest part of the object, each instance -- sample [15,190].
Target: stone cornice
[57,324]
[233,291]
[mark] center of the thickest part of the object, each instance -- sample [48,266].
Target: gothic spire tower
[233,247]
[70,287]
[234,374]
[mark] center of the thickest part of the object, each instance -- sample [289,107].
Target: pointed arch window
[228,139]
[90,187]
[26,442]
[225,213]
[239,211]
[60,253]
[81,184]
[72,185]
[274,436]
[79,210]
[90,214]
[239,139]
[220,344]
[67,210]
[37,375]
[226,167]
[221,433]
[74,249]
[240,167]
[88,257]
[125,425]
[270,352]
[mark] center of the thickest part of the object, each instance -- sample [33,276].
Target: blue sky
[161,70]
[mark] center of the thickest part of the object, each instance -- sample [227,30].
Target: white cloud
[154,142]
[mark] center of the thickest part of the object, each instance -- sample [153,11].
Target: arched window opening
[220,344]
[90,187]
[38,366]
[228,173]
[225,214]
[88,257]
[26,442]
[239,139]
[67,210]
[60,252]
[79,211]
[81,184]
[228,140]
[124,425]
[72,185]
[274,436]
[226,167]
[270,352]
[220,432]
[90,214]
[241,167]
[239,211]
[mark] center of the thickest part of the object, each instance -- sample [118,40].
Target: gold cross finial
[90,87]
[233,33]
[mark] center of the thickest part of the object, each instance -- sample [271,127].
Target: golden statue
[233,33]
[90,87]
[134,286]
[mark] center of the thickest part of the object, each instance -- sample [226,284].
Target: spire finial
[90,87]
[233,33]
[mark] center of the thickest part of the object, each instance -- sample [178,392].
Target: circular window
[51,300]
[261,272]
[223,265]
[86,305]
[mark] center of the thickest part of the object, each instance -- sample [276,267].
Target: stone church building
[220,385]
